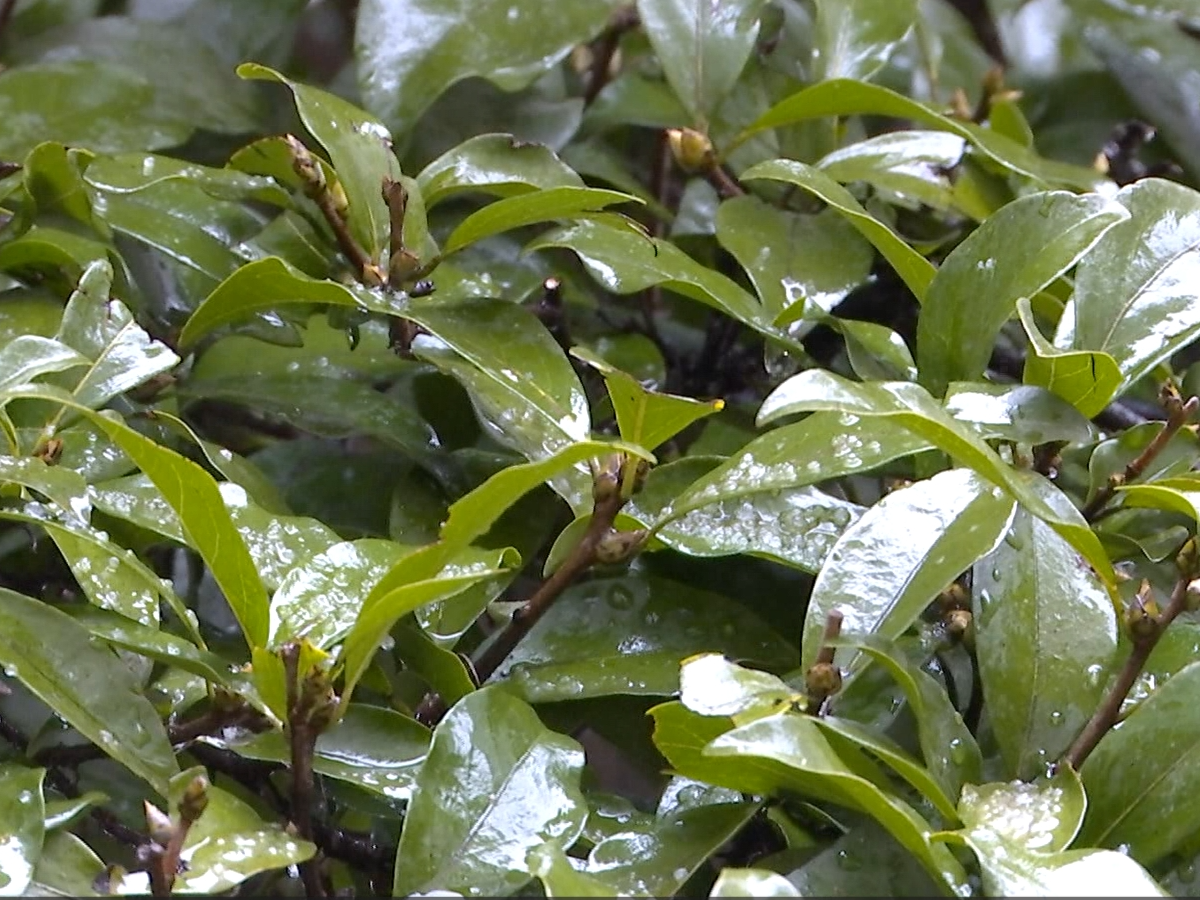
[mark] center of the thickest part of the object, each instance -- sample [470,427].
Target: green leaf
[375,748]
[359,147]
[30,356]
[82,103]
[1133,298]
[752,883]
[23,812]
[496,164]
[51,251]
[912,165]
[67,867]
[524,792]
[52,178]
[560,877]
[1020,413]
[638,629]
[64,487]
[913,408]
[88,686]
[709,684]
[702,47]
[1179,494]
[887,566]
[1084,379]
[949,748]
[1014,253]
[854,39]
[916,271]
[230,842]
[1046,640]
[1147,807]
[809,262]
[646,417]
[410,52]
[531,208]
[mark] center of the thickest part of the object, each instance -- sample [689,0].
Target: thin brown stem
[823,678]
[302,737]
[624,19]
[6,12]
[1178,415]
[1109,711]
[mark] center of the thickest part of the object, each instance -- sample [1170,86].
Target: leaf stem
[624,19]
[302,731]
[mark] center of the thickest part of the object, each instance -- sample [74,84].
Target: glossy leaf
[913,408]
[23,812]
[911,164]
[627,635]
[410,51]
[1147,807]
[887,566]
[1134,297]
[1087,380]
[709,684]
[531,208]
[1179,494]
[1046,639]
[1021,413]
[916,271]
[496,164]
[855,38]
[752,883]
[359,147]
[30,356]
[87,685]
[523,791]
[1014,253]
[702,47]
[560,878]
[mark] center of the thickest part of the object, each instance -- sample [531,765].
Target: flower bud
[822,679]
[693,151]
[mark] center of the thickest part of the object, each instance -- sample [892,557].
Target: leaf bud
[1141,617]
[1188,558]
[606,478]
[617,546]
[305,166]
[960,625]
[402,265]
[194,800]
[821,680]
[693,151]
[158,824]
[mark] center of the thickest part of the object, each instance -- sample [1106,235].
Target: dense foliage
[593,449]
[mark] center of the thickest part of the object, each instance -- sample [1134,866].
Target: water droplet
[1056,718]
[1094,671]
[958,751]
[848,861]
[1014,540]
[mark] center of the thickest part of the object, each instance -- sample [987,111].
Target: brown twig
[823,678]
[6,12]
[1178,414]
[1145,630]
[161,857]
[624,19]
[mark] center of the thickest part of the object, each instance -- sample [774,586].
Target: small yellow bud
[693,151]
[821,680]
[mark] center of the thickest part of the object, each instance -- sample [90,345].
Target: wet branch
[624,19]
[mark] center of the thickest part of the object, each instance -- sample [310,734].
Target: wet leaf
[854,39]
[359,147]
[23,812]
[628,635]
[561,878]
[1179,494]
[496,164]
[87,685]
[887,566]
[914,165]
[1023,413]
[31,356]
[1084,379]
[702,47]
[410,51]
[916,271]
[1046,639]
[913,408]
[524,791]
[709,684]
[1015,253]
[752,883]
[66,867]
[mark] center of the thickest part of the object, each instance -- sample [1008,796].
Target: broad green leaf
[795,261]
[30,356]
[887,566]
[1179,494]
[64,487]
[916,271]
[52,178]
[625,262]
[1044,815]
[561,878]
[646,417]
[1133,295]
[230,842]
[1014,253]
[1085,379]
[120,354]
[359,147]
[866,861]
[196,499]
[524,791]
[1046,640]
[531,208]
[709,684]
[913,165]
[410,51]
[375,748]
[496,164]
[444,671]
[1021,413]
[67,867]
[121,174]
[638,629]
[1147,808]
[949,748]
[914,409]
[856,37]
[659,862]
[50,250]
[702,47]
[752,883]
[87,685]
[23,812]
[82,103]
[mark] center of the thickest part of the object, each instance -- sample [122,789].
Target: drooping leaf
[1046,638]
[1088,380]
[1014,253]
[496,164]
[1021,413]
[23,812]
[524,792]
[854,39]
[702,47]
[87,685]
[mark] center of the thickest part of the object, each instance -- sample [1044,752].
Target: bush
[588,449]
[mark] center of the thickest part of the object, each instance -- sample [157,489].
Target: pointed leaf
[497,164]
[87,685]
[1021,413]
[856,37]
[1046,639]
[524,791]
[1087,380]
[23,812]
[1015,253]
[30,356]
[912,164]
